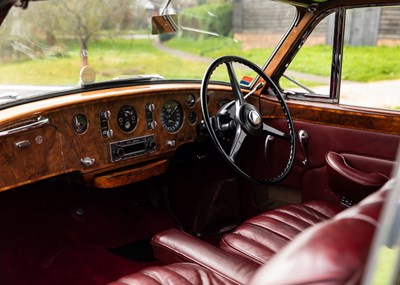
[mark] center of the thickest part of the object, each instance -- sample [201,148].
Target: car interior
[154,181]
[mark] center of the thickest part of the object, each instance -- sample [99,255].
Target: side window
[371,58]
[370,74]
[310,71]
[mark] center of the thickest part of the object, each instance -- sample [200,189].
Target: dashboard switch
[88,161]
[106,132]
[105,115]
[150,107]
[23,144]
[171,143]
[152,125]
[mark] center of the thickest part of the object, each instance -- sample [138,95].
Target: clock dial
[80,124]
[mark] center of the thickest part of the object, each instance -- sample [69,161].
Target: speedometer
[171,116]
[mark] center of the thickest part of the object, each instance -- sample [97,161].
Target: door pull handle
[303,139]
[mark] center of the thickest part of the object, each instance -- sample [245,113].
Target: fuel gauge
[192,118]
[80,124]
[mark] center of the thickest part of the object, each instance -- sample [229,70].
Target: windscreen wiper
[124,80]
[10,95]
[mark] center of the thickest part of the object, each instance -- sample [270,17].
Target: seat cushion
[260,237]
[333,252]
[172,246]
[179,273]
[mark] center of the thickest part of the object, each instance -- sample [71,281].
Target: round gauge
[127,119]
[192,118]
[190,100]
[171,116]
[80,124]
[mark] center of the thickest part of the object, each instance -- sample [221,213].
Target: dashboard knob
[108,133]
[171,143]
[88,161]
[105,115]
[118,152]
[152,145]
[150,107]
[152,125]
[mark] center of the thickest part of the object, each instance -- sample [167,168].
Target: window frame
[338,44]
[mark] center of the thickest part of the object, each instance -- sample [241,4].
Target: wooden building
[268,20]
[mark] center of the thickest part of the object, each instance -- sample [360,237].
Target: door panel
[367,140]
[356,176]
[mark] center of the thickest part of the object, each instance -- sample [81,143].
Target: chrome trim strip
[40,121]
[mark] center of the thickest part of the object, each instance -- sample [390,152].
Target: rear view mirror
[164,24]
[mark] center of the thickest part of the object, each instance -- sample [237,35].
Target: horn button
[250,119]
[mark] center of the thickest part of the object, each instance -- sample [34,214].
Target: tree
[84,18]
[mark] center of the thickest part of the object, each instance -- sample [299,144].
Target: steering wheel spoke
[275,132]
[237,92]
[240,136]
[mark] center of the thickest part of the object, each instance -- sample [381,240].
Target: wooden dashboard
[117,136]
[112,137]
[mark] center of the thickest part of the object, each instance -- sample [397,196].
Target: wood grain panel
[63,149]
[387,122]
[40,159]
[132,175]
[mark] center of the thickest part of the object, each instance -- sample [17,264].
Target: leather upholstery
[332,252]
[174,245]
[259,238]
[349,181]
[176,274]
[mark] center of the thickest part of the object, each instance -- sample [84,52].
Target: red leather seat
[260,237]
[179,273]
[256,240]
[332,252]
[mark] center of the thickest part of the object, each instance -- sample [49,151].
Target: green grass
[371,63]
[120,57]
[362,64]
[215,47]
[313,60]
[287,84]
[134,57]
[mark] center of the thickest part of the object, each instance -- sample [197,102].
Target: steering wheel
[242,121]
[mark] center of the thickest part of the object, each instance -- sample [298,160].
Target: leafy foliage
[34,33]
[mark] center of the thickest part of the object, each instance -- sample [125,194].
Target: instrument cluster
[140,126]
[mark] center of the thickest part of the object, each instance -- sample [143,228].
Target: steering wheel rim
[247,120]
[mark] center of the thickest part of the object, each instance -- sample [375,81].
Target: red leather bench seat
[260,237]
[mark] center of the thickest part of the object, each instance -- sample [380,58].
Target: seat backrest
[332,252]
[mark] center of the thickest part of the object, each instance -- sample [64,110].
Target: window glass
[309,72]
[50,51]
[371,58]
